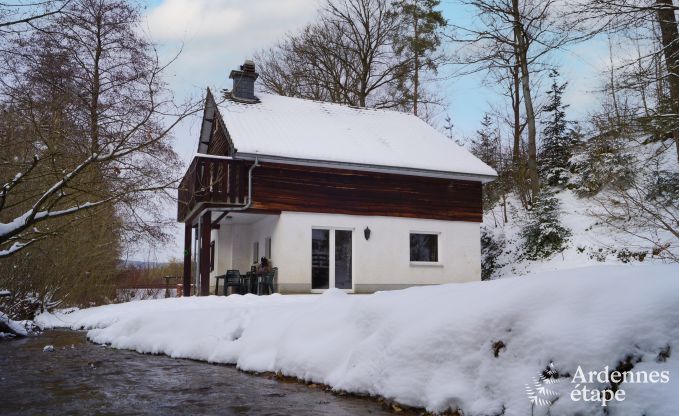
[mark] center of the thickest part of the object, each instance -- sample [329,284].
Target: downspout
[197,254]
[249,201]
[247,205]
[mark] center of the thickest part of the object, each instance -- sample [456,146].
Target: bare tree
[516,36]
[347,56]
[15,15]
[87,93]
[625,16]
[645,207]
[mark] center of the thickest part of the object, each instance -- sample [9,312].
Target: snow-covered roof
[313,131]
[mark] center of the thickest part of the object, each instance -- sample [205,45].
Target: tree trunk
[516,108]
[416,75]
[670,42]
[522,49]
[416,82]
[518,166]
[96,89]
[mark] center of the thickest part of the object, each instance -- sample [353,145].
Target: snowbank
[10,327]
[432,347]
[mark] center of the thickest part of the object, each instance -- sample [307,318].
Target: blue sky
[215,36]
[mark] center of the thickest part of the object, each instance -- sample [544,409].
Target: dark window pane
[320,259]
[343,259]
[424,247]
[212,256]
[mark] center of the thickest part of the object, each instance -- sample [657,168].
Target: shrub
[544,235]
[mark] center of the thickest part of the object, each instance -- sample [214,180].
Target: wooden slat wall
[219,142]
[280,187]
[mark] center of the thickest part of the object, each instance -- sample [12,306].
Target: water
[81,378]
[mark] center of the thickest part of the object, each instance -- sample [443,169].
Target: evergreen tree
[557,136]
[544,235]
[486,146]
[492,247]
[417,42]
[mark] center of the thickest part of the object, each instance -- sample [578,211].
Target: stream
[82,378]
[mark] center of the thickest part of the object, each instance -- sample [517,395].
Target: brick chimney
[244,82]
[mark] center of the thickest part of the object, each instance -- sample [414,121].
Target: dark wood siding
[219,139]
[282,187]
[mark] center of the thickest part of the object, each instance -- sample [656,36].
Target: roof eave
[368,167]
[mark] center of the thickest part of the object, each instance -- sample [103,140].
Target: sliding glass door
[320,259]
[331,259]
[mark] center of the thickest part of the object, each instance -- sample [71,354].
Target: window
[267,248]
[212,256]
[424,247]
[255,252]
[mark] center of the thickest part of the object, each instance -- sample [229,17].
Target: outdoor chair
[251,283]
[233,279]
[268,282]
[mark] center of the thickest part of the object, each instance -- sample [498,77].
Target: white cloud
[217,35]
[236,23]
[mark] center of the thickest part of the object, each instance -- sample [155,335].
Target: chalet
[335,196]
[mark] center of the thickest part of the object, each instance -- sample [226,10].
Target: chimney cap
[246,70]
[244,83]
[248,66]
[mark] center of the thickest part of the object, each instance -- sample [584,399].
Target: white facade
[381,262]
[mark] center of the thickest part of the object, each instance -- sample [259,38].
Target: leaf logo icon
[540,395]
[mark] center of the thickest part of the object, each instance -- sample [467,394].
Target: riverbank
[474,347]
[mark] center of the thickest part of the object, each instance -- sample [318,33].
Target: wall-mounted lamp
[366,233]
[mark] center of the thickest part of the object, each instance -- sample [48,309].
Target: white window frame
[438,263]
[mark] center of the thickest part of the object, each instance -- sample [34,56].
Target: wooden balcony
[212,182]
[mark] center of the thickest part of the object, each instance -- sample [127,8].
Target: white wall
[383,261]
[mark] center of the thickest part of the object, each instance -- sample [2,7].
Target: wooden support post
[186,280]
[205,231]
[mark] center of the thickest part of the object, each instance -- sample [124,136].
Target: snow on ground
[13,327]
[592,243]
[431,347]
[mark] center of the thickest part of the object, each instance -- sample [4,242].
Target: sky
[214,36]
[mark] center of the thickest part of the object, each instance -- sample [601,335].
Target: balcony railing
[214,181]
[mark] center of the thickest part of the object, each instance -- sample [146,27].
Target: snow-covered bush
[603,161]
[492,246]
[543,235]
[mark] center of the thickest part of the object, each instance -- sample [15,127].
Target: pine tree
[485,144]
[544,235]
[417,42]
[557,136]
